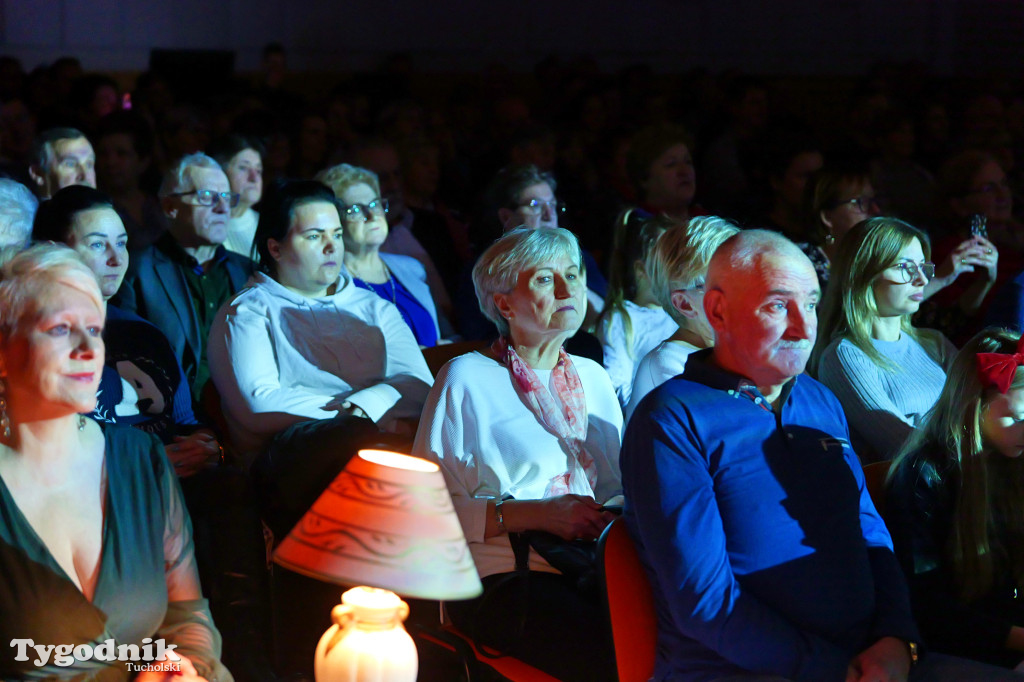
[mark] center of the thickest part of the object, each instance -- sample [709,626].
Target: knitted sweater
[884,405]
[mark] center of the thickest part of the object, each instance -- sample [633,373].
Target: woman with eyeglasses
[886,373]
[399,279]
[841,195]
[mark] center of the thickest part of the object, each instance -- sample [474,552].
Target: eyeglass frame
[863,204]
[910,270]
[230,198]
[364,210]
[536,206]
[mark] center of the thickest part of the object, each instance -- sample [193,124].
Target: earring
[5,421]
[81,422]
[829,239]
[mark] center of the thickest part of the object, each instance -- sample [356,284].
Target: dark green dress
[147,549]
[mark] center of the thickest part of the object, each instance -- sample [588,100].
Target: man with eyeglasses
[62,157]
[180,282]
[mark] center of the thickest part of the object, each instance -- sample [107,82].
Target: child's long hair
[634,238]
[991,485]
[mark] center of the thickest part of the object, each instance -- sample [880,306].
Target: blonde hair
[680,257]
[633,240]
[991,486]
[849,308]
[27,276]
[339,178]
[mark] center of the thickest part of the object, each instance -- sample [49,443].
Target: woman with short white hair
[528,439]
[677,266]
[17,210]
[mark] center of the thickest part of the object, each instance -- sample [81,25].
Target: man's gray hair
[42,149]
[497,270]
[178,179]
[742,251]
[17,211]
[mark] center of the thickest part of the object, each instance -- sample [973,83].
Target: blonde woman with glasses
[886,373]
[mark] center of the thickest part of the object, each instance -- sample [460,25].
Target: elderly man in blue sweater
[749,508]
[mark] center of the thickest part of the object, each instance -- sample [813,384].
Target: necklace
[363,284]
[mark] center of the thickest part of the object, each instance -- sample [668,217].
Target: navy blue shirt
[413,312]
[764,550]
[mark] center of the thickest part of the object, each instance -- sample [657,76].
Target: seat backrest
[439,355]
[630,604]
[874,478]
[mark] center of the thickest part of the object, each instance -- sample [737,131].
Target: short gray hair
[497,270]
[742,251]
[681,255]
[17,211]
[339,178]
[42,149]
[177,178]
[26,276]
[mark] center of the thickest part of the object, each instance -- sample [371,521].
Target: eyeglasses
[207,197]
[909,270]
[537,206]
[863,204]
[354,212]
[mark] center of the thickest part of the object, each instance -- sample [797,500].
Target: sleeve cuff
[375,400]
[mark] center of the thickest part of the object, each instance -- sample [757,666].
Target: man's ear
[682,304]
[38,175]
[714,309]
[505,216]
[169,207]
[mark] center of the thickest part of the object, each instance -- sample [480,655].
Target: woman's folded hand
[574,517]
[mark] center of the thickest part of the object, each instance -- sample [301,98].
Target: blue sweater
[764,550]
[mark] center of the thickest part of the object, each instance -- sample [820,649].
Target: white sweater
[651,326]
[278,358]
[241,232]
[490,444]
[668,359]
[884,406]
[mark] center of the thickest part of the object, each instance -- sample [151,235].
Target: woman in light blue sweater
[886,373]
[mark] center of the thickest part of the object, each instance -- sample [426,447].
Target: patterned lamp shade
[387,521]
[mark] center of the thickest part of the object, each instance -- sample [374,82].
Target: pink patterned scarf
[566,416]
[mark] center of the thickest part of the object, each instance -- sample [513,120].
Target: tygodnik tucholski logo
[153,655]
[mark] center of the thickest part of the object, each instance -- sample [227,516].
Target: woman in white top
[677,266]
[528,439]
[307,364]
[886,373]
[633,321]
[242,161]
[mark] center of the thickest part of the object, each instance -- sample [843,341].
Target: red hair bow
[997,369]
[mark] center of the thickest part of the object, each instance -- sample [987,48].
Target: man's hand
[887,660]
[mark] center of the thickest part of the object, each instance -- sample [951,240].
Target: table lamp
[386,521]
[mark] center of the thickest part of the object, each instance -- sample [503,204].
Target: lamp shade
[387,521]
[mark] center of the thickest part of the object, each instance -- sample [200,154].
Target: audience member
[105,548]
[677,266]
[62,157]
[241,158]
[528,438]
[954,504]
[412,232]
[633,322]
[143,385]
[17,210]
[394,277]
[790,161]
[306,362]
[180,282]
[661,169]
[886,373]
[747,504]
[124,148]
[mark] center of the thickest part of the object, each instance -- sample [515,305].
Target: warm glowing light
[398,461]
